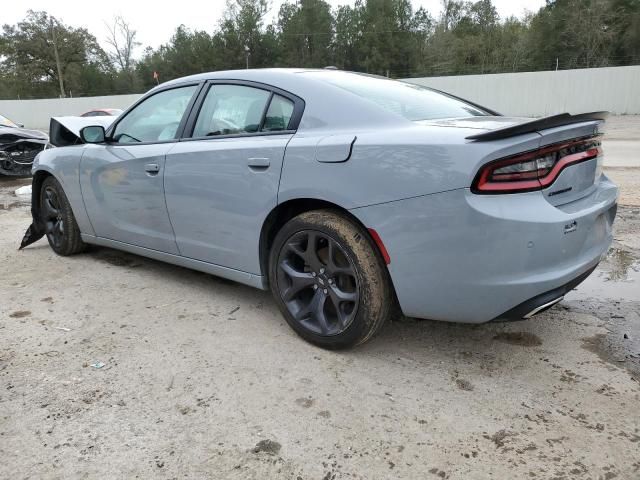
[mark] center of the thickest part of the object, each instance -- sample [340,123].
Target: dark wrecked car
[19,147]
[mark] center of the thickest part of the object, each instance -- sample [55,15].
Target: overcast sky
[156,21]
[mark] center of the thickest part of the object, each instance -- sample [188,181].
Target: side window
[231,109]
[155,119]
[278,115]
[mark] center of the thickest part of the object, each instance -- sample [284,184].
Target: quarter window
[156,119]
[231,110]
[278,115]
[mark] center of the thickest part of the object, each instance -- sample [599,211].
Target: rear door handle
[152,168]
[258,163]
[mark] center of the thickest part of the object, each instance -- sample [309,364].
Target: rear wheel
[60,225]
[329,280]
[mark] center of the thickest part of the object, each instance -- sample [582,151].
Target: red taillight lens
[534,170]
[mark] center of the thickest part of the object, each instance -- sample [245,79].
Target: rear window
[412,102]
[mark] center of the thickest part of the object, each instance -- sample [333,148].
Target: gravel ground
[623,127]
[201,378]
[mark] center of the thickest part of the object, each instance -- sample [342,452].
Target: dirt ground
[201,378]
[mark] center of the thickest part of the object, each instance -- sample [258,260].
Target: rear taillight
[534,170]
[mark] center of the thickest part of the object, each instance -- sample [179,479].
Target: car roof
[284,78]
[322,99]
[252,74]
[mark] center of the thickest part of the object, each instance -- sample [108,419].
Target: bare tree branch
[122,40]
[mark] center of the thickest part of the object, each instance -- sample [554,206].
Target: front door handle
[152,168]
[258,163]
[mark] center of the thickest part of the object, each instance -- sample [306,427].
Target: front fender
[63,163]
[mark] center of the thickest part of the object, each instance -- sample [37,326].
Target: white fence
[531,94]
[537,94]
[36,113]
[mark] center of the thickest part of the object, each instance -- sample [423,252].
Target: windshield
[412,102]
[5,122]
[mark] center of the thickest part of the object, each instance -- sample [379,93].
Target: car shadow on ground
[423,339]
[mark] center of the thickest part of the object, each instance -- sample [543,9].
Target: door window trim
[181,125]
[294,121]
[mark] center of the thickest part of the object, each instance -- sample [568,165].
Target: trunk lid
[485,123]
[576,180]
[580,179]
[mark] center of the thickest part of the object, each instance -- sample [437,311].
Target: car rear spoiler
[539,124]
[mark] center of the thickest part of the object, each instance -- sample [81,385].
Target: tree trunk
[57,57]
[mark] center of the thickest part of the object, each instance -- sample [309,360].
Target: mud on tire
[57,217]
[325,251]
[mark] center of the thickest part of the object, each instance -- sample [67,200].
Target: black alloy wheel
[57,218]
[52,216]
[329,279]
[318,283]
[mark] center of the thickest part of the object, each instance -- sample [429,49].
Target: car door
[222,182]
[122,180]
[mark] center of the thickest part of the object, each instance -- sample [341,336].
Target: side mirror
[92,134]
[20,125]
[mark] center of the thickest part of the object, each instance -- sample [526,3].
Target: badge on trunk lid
[570,227]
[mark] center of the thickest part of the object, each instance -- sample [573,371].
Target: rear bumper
[542,302]
[460,257]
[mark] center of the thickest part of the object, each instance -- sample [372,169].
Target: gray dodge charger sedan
[347,195]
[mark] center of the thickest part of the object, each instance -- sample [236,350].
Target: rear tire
[56,215]
[329,280]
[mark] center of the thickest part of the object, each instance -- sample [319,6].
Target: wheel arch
[74,197]
[285,211]
[36,186]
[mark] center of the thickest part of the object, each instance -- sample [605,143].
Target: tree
[306,32]
[389,38]
[348,36]
[122,40]
[578,33]
[241,34]
[186,53]
[47,55]
[626,48]
[452,11]
[40,56]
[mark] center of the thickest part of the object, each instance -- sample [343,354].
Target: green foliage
[305,31]
[41,56]
[385,37]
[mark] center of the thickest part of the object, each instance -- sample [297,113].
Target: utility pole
[57,57]
[246,51]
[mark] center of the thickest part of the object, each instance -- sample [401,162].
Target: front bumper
[17,159]
[460,257]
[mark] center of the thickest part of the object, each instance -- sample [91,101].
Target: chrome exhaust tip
[544,306]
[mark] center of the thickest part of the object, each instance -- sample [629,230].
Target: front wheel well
[36,186]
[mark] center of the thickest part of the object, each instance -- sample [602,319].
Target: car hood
[14,134]
[65,131]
